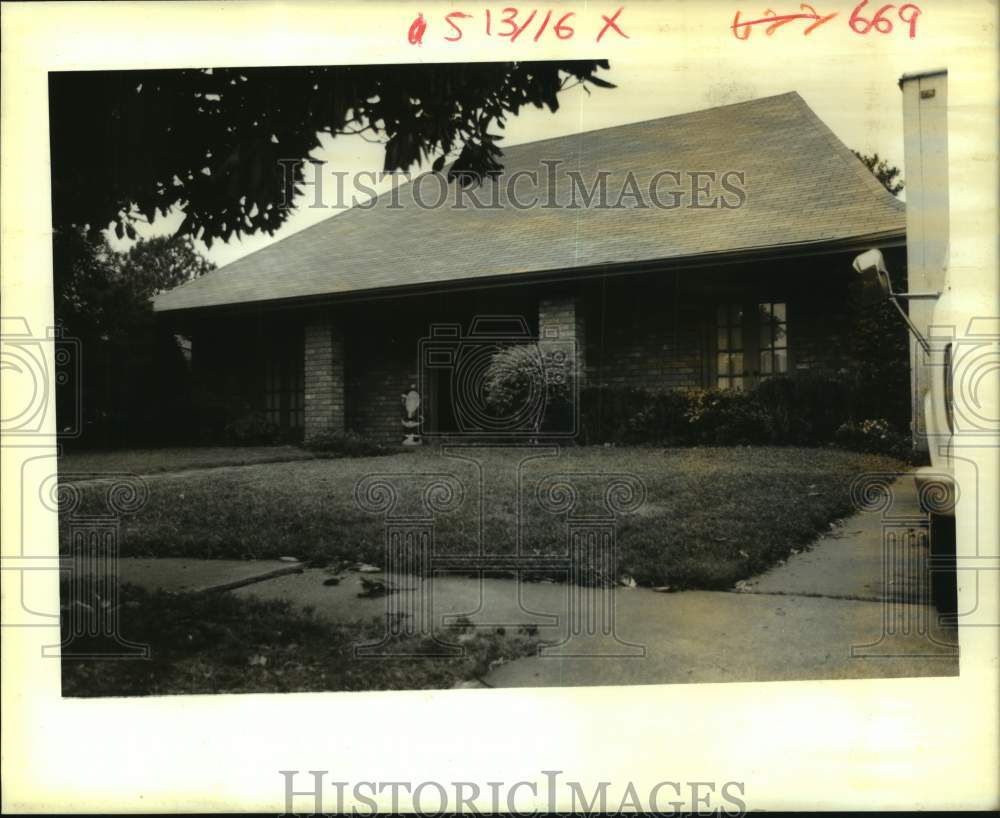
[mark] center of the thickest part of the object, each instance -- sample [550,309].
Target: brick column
[561,327]
[324,378]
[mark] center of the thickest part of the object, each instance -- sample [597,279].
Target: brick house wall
[655,331]
[323,349]
[644,334]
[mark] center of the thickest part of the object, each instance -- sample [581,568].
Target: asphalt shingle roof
[802,186]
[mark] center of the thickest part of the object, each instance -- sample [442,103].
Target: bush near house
[806,410]
[252,429]
[801,411]
[875,437]
[346,444]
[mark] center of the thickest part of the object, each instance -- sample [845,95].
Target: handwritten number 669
[859,24]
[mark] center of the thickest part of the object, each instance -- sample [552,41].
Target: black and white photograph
[630,405]
[579,368]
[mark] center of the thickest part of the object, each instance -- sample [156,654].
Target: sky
[860,102]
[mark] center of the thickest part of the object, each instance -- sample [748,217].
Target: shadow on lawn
[218,643]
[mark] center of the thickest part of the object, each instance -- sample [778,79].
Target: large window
[751,343]
[773,338]
[729,352]
[284,381]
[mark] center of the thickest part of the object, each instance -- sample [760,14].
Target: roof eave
[892,238]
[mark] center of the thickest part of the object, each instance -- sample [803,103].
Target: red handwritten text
[513,23]
[858,21]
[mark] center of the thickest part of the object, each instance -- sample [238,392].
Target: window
[773,338]
[284,382]
[751,343]
[729,351]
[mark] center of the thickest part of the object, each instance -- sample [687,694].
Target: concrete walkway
[189,575]
[838,610]
[851,562]
[847,607]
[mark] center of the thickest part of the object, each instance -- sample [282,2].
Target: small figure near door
[411,417]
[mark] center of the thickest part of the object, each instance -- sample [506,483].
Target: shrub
[880,388]
[527,389]
[874,437]
[727,418]
[252,428]
[807,409]
[345,444]
[662,419]
[630,415]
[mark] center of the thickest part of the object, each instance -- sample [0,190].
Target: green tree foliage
[881,169]
[104,295]
[128,145]
[879,336]
[128,366]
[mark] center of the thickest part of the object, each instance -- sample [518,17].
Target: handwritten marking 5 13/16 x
[512,23]
[880,21]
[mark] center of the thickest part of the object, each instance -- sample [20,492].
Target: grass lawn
[712,516]
[219,643]
[151,461]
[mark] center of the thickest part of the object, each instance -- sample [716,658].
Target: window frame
[751,346]
[284,378]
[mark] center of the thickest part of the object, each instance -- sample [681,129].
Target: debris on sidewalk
[375,588]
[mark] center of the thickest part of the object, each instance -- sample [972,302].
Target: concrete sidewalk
[693,636]
[851,562]
[847,607]
[196,576]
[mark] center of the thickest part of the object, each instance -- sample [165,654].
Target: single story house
[720,253]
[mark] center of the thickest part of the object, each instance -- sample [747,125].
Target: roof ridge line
[657,119]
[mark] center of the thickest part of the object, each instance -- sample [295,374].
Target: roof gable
[802,186]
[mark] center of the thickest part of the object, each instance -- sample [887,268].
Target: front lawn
[180,458]
[712,516]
